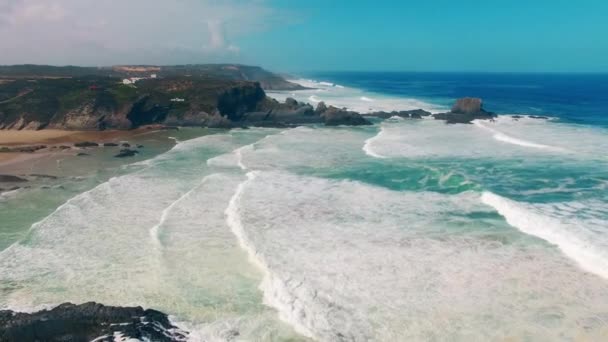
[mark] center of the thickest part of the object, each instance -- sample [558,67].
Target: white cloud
[93,32]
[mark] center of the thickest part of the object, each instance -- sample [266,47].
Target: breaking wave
[563,225]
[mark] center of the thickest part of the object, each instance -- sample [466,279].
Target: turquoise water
[405,230]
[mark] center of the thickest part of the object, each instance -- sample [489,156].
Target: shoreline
[52,139]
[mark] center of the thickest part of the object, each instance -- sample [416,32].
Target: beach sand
[12,161]
[53,136]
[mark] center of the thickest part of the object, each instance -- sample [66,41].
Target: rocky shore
[221,96]
[89,322]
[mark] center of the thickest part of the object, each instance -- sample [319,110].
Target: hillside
[103,102]
[235,72]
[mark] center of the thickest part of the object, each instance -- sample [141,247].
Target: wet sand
[9,161]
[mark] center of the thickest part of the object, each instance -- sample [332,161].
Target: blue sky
[516,35]
[312,35]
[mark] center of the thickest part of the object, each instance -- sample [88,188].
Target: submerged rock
[88,322]
[110,144]
[86,144]
[406,114]
[23,149]
[11,179]
[126,153]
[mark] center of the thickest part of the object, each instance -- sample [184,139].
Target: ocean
[407,230]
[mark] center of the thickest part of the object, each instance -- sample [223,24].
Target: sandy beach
[10,161]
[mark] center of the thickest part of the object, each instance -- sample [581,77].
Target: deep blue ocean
[576,98]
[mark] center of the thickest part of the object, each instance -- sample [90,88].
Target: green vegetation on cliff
[103,102]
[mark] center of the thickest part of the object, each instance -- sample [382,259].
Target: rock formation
[465,110]
[88,322]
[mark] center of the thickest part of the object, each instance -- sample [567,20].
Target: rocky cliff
[99,103]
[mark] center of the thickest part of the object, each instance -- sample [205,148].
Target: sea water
[404,230]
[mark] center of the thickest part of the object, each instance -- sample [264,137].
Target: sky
[312,35]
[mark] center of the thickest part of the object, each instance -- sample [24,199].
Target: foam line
[515,141]
[367,146]
[552,230]
[155,231]
[275,291]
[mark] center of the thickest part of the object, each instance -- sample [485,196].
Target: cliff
[92,103]
[99,103]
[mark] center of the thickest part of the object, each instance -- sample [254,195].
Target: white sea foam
[561,224]
[156,229]
[351,98]
[368,145]
[515,141]
[319,242]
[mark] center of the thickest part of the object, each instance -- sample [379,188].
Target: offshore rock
[335,117]
[126,153]
[464,111]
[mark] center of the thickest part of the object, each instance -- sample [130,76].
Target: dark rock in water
[86,144]
[82,154]
[23,149]
[88,322]
[465,110]
[321,108]
[125,145]
[516,117]
[110,144]
[37,175]
[140,146]
[413,114]
[467,105]
[538,117]
[126,153]
[63,147]
[334,117]
[11,179]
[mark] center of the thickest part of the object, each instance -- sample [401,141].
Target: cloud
[95,32]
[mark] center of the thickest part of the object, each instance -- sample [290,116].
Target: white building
[177,99]
[153,76]
[127,81]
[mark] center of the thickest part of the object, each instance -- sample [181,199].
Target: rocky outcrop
[406,114]
[333,116]
[88,322]
[22,149]
[465,110]
[86,144]
[290,113]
